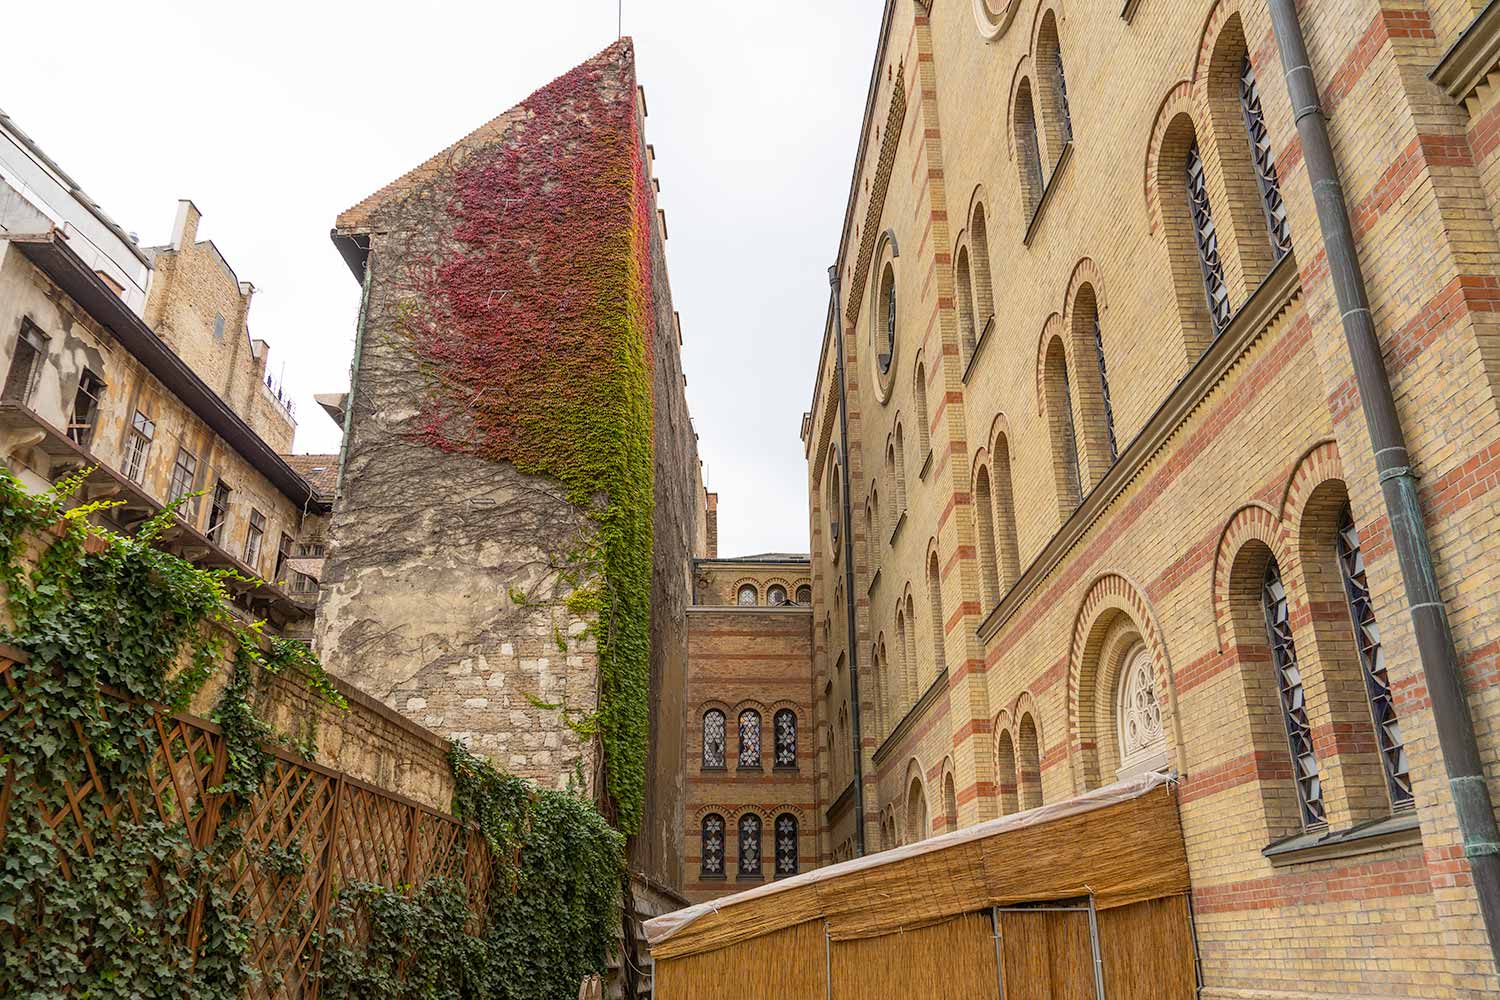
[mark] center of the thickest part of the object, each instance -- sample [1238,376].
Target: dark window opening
[85,416]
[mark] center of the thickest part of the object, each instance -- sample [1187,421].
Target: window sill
[749,878]
[713,770]
[896,531]
[786,768]
[1047,192]
[1401,830]
[711,878]
[746,767]
[1127,12]
[926,466]
[874,582]
[984,338]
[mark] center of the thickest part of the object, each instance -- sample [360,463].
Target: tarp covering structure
[1085,898]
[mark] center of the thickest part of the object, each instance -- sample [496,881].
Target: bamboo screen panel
[788,964]
[1049,955]
[1148,951]
[955,958]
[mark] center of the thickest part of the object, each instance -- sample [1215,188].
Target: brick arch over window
[1006,779]
[1255,521]
[1249,249]
[1007,544]
[916,819]
[1109,599]
[1057,401]
[1098,437]
[1051,85]
[1025,131]
[979,251]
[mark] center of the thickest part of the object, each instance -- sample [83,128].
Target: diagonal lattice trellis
[307,831]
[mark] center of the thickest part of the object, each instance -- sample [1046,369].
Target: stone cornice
[1470,59]
[1275,294]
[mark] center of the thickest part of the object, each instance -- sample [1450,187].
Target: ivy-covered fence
[307,832]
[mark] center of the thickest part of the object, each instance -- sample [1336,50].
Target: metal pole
[827,960]
[999,953]
[848,532]
[1094,942]
[1398,484]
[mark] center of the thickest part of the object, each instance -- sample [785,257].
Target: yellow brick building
[1114,500]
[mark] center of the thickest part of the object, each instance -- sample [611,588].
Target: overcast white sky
[275,117]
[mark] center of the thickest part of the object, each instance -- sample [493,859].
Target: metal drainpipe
[1398,484]
[848,533]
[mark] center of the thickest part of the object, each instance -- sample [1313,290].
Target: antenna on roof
[619,19]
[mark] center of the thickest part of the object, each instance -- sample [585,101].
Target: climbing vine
[534,330]
[117,630]
[553,905]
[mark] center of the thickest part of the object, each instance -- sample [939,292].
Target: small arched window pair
[775,595]
[748,596]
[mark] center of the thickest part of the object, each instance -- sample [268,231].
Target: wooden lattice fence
[339,829]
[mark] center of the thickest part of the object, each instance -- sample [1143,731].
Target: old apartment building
[137,363]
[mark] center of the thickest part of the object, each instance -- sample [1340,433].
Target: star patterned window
[750,829]
[1372,659]
[786,845]
[785,724]
[712,864]
[749,738]
[1265,161]
[713,739]
[1293,698]
[1208,240]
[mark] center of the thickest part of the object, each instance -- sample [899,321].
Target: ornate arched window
[1372,659]
[1207,239]
[1142,739]
[749,738]
[747,596]
[785,724]
[711,863]
[786,845]
[885,339]
[1293,698]
[1265,162]
[775,595]
[804,594]
[750,829]
[713,739]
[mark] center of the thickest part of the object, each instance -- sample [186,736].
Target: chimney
[185,227]
[711,518]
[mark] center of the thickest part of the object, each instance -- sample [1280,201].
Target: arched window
[900,470]
[1007,549]
[1005,772]
[885,342]
[935,599]
[1029,763]
[1372,659]
[950,803]
[713,740]
[1293,698]
[785,724]
[967,333]
[917,826]
[979,258]
[749,739]
[747,597]
[1142,739]
[909,651]
[984,518]
[750,828]
[786,845]
[804,594]
[1207,239]
[711,863]
[1265,162]
[1059,402]
[835,507]
[775,595]
[1100,446]
[924,428]
[908,688]
[1054,89]
[1028,150]
[873,516]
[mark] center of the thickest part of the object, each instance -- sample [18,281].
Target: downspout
[1398,484]
[848,532]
